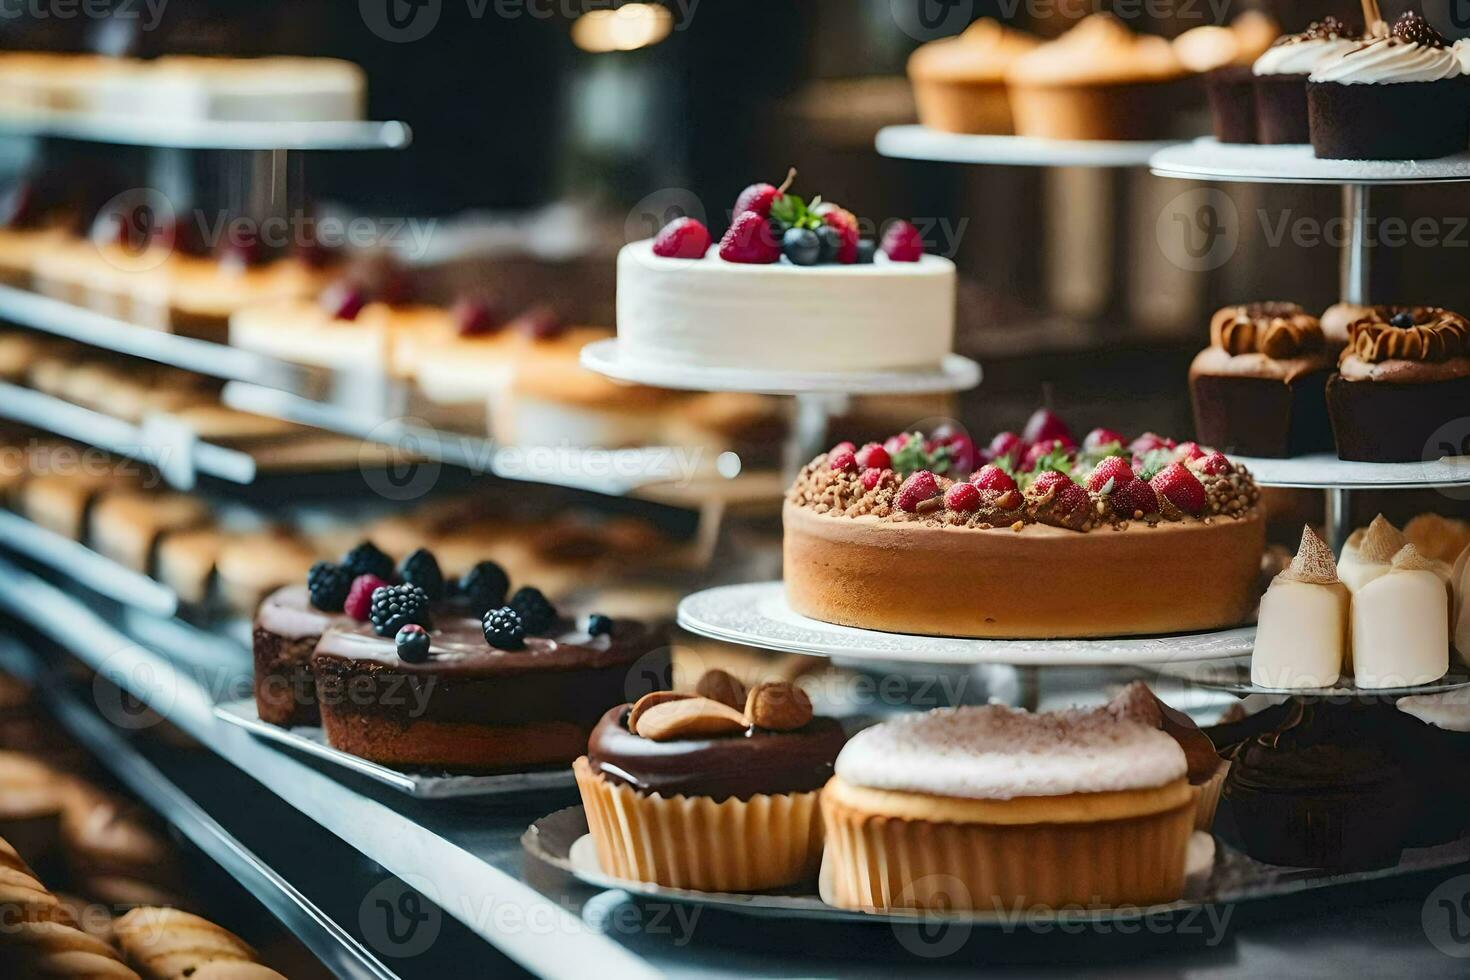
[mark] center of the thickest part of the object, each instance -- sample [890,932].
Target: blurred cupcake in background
[959,82]
[1099,81]
[1223,56]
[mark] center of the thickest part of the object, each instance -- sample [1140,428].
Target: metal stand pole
[1339,517]
[1354,270]
[1355,264]
[809,430]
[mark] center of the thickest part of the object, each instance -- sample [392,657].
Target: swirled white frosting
[1386,61]
[1299,55]
[999,753]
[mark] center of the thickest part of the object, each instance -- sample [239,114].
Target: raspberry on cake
[1082,543]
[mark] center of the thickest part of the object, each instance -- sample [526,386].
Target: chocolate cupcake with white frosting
[1398,97]
[1280,78]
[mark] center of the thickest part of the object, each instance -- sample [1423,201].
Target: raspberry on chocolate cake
[477,699]
[1259,389]
[1101,540]
[1404,376]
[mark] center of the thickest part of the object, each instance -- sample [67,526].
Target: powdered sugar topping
[999,753]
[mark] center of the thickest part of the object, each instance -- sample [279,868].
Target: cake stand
[1207,159]
[923,143]
[1235,678]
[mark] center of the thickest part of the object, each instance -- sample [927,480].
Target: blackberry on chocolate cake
[367,559]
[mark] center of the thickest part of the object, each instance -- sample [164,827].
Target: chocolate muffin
[1398,97]
[1259,389]
[1322,790]
[1405,376]
[461,704]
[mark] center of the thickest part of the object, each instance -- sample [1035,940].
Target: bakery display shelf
[614,472]
[913,142]
[85,567]
[757,615]
[1208,159]
[62,319]
[309,740]
[1218,875]
[170,448]
[467,858]
[956,373]
[331,944]
[1324,471]
[205,134]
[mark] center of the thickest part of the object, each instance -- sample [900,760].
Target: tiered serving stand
[758,615]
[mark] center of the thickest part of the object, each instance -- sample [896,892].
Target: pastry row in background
[229,557]
[93,885]
[181,89]
[142,393]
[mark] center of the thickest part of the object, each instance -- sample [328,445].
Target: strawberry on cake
[1033,537]
[792,286]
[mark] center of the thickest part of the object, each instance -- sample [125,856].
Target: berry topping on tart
[328,585]
[1110,474]
[396,606]
[412,643]
[963,497]
[359,602]
[873,456]
[1176,484]
[918,488]
[992,477]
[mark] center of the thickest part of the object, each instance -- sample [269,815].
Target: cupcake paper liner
[879,863]
[767,841]
[1209,797]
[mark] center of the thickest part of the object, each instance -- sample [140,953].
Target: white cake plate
[955,373]
[922,143]
[1208,159]
[1235,678]
[757,615]
[1324,471]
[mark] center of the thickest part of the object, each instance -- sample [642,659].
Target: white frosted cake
[713,313]
[792,286]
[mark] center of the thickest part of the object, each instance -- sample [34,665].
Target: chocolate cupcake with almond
[428,687]
[1259,389]
[1404,377]
[692,792]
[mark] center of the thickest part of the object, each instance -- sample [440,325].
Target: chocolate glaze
[567,676]
[738,766]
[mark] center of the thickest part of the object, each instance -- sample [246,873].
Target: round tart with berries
[521,685]
[793,285]
[1033,537]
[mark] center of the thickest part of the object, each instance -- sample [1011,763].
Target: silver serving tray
[425,786]
[1218,875]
